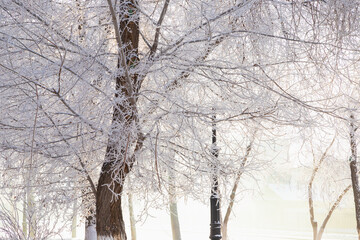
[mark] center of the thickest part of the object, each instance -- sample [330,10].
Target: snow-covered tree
[94,92]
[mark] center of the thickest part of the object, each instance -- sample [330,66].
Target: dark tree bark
[118,161]
[354,173]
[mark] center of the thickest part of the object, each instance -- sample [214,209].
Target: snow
[90,232]
[105,238]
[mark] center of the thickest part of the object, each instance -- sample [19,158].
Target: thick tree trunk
[124,132]
[354,173]
[110,223]
[109,215]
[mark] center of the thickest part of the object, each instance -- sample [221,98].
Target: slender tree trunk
[29,208]
[332,209]
[314,223]
[312,215]
[354,173]
[29,221]
[32,215]
[317,233]
[174,217]
[117,163]
[24,216]
[74,220]
[233,191]
[316,168]
[224,230]
[132,218]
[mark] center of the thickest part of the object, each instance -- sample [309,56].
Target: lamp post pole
[215,223]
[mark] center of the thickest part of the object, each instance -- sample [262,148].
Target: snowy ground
[194,221]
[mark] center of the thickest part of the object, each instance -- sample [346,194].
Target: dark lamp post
[215,223]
